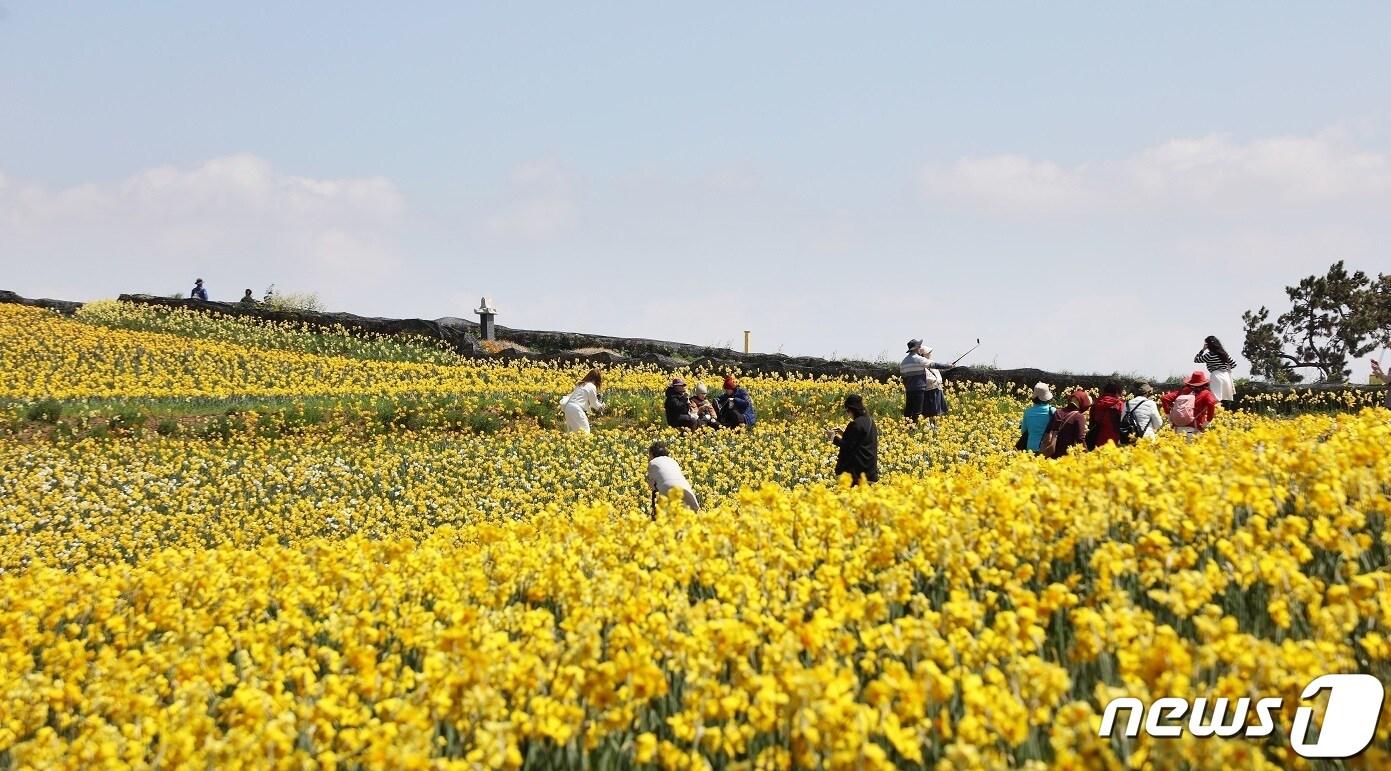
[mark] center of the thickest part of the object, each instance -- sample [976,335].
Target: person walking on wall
[858,443]
[664,474]
[198,293]
[1220,366]
[582,401]
[922,384]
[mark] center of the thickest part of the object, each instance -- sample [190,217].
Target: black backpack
[1130,428]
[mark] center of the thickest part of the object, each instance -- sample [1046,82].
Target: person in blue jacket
[735,406]
[199,293]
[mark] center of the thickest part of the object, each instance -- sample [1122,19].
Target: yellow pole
[746,341]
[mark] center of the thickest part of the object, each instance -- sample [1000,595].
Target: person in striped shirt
[1219,366]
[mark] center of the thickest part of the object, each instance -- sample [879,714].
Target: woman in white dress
[582,401]
[1219,367]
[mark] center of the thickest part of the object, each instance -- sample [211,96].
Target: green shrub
[167,427]
[46,411]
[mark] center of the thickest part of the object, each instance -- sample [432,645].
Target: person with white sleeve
[582,401]
[1142,412]
[664,474]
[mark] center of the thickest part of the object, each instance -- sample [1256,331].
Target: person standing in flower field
[1141,419]
[198,293]
[664,474]
[1104,421]
[922,384]
[1068,426]
[1219,366]
[858,443]
[1036,419]
[582,401]
[1192,406]
[1382,377]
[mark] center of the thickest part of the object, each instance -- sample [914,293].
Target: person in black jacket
[858,443]
[678,405]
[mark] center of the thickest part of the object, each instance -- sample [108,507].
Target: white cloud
[237,218]
[1214,171]
[1007,182]
[541,204]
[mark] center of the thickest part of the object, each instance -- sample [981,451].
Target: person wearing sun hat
[922,383]
[1036,419]
[1192,406]
[735,406]
[1144,411]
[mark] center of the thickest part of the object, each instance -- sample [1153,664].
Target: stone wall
[461,336]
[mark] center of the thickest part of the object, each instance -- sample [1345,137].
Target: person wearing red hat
[1068,427]
[736,408]
[1192,407]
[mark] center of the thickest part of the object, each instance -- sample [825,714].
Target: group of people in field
[1115,416]
[1125,418]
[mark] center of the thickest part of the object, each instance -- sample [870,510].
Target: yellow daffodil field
[232,544]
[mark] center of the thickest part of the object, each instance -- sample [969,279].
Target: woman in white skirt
[582,401]
[1219,366]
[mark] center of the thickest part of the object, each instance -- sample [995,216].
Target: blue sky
[1082,187]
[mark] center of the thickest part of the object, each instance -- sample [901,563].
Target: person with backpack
[1141,419]
[1191,407]
[582,401]
[664,474]
[1104,420]
[735,406]
[1036,418]
[1219,366]
[858,443]
[922,383]
[1068,426]
[678,406]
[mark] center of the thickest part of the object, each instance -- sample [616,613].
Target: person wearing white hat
[1141,412]
[922,383]
[1036,419]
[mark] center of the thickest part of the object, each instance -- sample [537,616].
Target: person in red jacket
[1070,424]
[1192,407]
[1105,418]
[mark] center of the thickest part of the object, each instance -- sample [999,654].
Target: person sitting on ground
[922,383]
[1036,418]
[583,400]
[703,408]
[1142,412]
[735,406]
[1068,426]
[247,299]
[858,443]
[198,293]
[1104,421]
[678,405]
[1192,407]
[1220,365]
[664,474]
